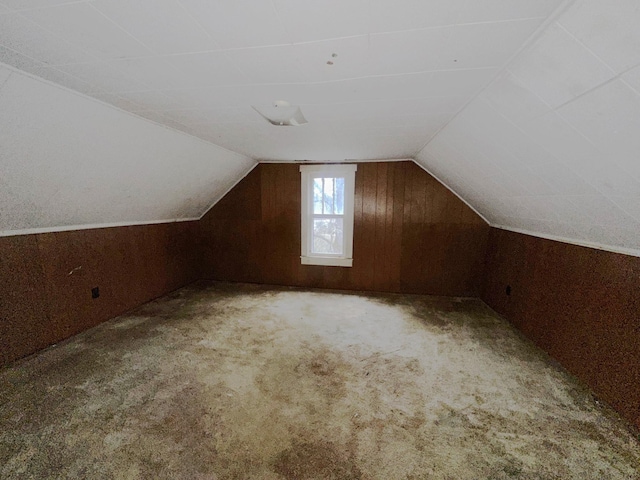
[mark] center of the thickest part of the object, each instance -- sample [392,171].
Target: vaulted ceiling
[527,109]
[552,146]
[402,70]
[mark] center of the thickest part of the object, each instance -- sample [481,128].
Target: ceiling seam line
[530,41]
[195,19]
[52,33]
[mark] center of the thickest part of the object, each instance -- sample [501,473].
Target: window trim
[307,174]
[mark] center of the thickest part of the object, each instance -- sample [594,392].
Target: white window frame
[307,174]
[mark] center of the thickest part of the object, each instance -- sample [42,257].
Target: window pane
[339,199]
[327,235]
[328,196]
[317,195]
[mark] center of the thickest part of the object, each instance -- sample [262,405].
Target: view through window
[327,214]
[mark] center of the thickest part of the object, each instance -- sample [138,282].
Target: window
[327,214]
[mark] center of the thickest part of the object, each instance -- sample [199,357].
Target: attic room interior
[320,239]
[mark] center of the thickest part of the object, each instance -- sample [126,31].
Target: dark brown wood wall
[579,304]
[46,279]
[411,234]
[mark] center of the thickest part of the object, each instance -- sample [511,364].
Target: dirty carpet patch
[219,381]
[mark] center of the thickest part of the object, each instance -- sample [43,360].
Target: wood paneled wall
[581,305]
[46,279]
[411,234]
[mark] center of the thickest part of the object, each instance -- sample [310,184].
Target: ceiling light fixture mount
[282,114]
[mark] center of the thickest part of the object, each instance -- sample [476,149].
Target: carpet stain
[229,382]
[310,461]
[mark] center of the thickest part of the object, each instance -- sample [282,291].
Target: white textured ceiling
[68,161]
[529,109]
[552,146]
[402,70]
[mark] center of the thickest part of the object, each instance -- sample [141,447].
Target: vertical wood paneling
[380,226]
[356,273]
[67,281]
[398,220]
[269,233]
[23,306]
[579,304]
[388,228]
[416,243]
[408,192]
[366,255]
[46,279]
[438,204]
[430,206]
[410,234]
[405,224]
[418,198]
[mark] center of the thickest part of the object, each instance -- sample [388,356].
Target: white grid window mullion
[338,226]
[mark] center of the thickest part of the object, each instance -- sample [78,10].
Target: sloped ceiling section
[552,146]
[542,140]
[69,161]
[375,78]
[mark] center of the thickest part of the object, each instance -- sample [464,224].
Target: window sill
[327,261]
